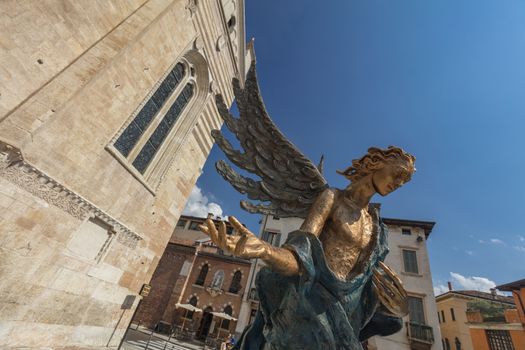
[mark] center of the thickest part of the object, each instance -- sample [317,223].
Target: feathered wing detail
[289,180]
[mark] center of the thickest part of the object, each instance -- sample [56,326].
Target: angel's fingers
[395,278]
[221,237]
[212,232]
[239,247]
[238,226]
[231,242]
[222,227]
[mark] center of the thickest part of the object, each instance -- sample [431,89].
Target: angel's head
[388,169]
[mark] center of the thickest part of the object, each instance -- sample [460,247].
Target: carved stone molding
[192,7]
[16,170]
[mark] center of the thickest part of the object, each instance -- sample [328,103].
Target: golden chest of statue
[346,237]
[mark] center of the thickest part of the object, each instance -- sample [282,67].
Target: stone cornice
[496,326]
[16,170]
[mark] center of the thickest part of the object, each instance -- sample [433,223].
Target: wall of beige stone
[99,59]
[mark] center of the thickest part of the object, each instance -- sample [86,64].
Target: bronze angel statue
[327,287]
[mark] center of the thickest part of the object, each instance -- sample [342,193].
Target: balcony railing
[420,332]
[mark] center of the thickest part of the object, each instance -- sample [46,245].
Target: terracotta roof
[480,295]
[508,287]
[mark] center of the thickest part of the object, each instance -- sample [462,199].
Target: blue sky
[444,79]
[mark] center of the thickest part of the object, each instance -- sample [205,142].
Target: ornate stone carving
[192,7]
[16,170]
[221,42]
[214,291]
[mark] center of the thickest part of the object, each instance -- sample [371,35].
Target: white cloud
[440,289]
[199,205]
[496,241]
[521,238]
[469,252]
[481,241]
[520,249]
[472,282]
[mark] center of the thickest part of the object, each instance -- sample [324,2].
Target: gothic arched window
[226,323]
[193,301]
[235,286]
[218,279]
[144,143]
[202,275]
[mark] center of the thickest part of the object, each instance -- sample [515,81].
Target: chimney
[210,216]
[449,286]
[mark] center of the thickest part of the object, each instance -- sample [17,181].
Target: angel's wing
[289,180]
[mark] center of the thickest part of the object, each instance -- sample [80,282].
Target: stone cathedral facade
[106,109]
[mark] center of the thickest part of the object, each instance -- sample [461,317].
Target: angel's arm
[319,212]
[283,260]
[246,245]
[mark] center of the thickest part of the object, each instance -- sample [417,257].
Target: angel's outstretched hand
[242,243]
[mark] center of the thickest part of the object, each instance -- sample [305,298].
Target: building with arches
[199,274]
[106,109]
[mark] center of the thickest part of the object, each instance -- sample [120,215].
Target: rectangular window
[442,316]
[499,340]
[406,231]
[439,317]
[194,225]
[415,310]
[452,314]
[182,223]
[410,261]
[273,238]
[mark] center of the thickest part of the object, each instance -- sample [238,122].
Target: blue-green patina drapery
[317,310]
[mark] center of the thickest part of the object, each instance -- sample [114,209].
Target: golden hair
[377,158]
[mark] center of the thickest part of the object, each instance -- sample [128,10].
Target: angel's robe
[317,310]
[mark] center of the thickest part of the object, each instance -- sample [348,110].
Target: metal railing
[420,332]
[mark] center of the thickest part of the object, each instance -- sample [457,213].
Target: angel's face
[389,178]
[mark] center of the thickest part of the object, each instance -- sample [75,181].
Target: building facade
[408,257]
[454,308]
[194,271]
[106,109]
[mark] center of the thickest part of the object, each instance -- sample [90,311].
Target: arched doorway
[204,327]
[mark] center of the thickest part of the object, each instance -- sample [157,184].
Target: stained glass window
[129,138]
[156,139]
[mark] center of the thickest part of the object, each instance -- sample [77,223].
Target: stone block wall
[79,231]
